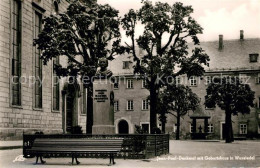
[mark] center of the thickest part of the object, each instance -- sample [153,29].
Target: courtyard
[182,154]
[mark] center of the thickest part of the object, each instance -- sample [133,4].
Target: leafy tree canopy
[230,93]
[86,30]
[160,21]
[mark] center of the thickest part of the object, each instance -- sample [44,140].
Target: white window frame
[243,78]
[208,80]
[145,104]
[243,129]
[116,105]
[193,81]
[130,105]
[178,80]
[258,128]
[210,128]
[129,84]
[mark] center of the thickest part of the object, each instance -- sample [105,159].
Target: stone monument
[103,101]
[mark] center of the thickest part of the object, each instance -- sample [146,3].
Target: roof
[199,113]
[233,56]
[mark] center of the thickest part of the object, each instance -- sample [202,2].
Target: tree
[177,100]
[161,61]
[231,95]
[82,34]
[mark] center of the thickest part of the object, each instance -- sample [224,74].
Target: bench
[74,147]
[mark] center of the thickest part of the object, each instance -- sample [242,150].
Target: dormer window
[126,64]
[253,57]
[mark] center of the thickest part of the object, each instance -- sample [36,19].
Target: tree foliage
[177,100]
[85,32]
[232,95]
[161,60]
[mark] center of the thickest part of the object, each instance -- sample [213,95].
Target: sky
[226,17]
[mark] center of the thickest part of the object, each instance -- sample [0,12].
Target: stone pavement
[182,154]
[11,144]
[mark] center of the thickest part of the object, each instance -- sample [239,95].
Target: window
[145,127]
[210,128]
[208,80]
[130,105]
[126,64]
[253,57]
[174,128]
[16,54]
[178,80]
[243,129]
[144,83]
[243,78]
[116,106]
[38,63]
[193,81]
[55,87]
[116,84]
[129,84]
[191,128]
[145,105]
[259,129]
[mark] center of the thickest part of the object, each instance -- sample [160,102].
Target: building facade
[40,101]
[239,57]
[33,99]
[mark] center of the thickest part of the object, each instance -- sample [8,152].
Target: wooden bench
[74,147]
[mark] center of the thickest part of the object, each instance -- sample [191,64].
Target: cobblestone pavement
[182,154]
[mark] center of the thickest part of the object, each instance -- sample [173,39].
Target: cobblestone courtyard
[182,154]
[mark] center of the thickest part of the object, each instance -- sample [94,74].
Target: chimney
[241,34]
[220,42]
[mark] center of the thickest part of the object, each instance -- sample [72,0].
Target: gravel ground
[182,154]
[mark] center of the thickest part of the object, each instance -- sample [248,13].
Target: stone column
[103,107]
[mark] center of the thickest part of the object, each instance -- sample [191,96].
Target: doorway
[69,112]
[123,127]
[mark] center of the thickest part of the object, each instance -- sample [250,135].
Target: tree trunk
[178,126]
[228,129]
[153,105]
[89,109]
[163,127]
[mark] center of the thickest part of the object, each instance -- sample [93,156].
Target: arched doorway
[123,127]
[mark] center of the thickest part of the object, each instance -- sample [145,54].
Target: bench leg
[42,161]
[76,159]
[72,159]
[37,158]
[111,159]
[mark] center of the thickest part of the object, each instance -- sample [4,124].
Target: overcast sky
[225,17]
